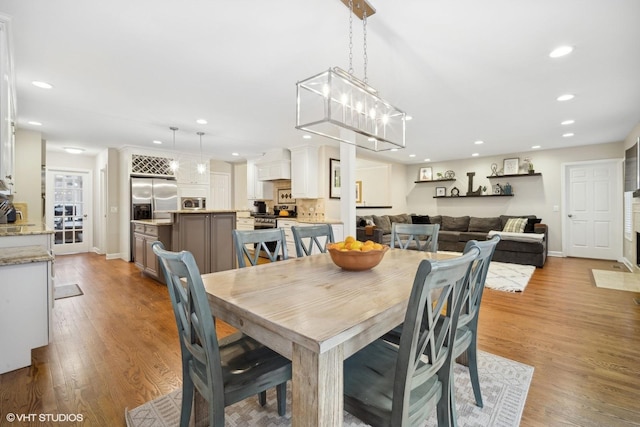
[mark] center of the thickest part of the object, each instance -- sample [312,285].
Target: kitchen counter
[24,255]
[23,229]
[201,211]
[152,221]
[314,221]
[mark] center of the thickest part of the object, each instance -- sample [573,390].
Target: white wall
[28,173]
[629,247]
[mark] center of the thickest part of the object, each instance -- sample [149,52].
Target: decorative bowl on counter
[354,260]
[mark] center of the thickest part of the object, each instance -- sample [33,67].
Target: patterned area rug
[504,383]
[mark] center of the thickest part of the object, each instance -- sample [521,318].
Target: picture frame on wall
[441,191]
[334,178]
[358,191]
[426,174]
[511,166]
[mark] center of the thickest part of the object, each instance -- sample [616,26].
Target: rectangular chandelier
[337,105]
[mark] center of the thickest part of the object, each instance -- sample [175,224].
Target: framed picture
[511,166]
[334,178]
[426,174]
[358,191]
[441,191]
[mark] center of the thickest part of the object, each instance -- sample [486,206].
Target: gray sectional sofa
[517,248]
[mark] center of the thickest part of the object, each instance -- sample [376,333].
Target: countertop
[152,221]
[23,229]
[24,255]
[201,211]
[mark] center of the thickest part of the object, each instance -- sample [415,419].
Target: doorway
[592,209]
[68,210]
[220,191]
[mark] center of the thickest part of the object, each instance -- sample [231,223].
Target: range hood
[274,165]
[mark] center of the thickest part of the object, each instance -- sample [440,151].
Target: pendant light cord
[351,37]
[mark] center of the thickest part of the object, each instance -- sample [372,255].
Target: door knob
[570,216]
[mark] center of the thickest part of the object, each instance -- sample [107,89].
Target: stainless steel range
[262,221]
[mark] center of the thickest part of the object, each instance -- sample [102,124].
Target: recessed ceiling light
[475,154]
[201,122]
[561,51]
[306,136]
[155,141]
[412,155]
[235,154]
[568,122]
[478,142]
[35,123]
[568,135]
[73,150]
[42,85]
[535,147]
[566,97]
[408,118]
[394,149]
[427,160]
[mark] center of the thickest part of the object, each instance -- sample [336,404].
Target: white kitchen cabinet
[188,173]
[274,170]
[304,172]
[244,223]
[7,106]
[286,224]
[257,190]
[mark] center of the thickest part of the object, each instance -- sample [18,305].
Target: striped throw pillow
[515,225]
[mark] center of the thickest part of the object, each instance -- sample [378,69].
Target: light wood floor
[116,346]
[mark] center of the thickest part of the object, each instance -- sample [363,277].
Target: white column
[348,185]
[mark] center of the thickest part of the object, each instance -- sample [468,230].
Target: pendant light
[174,164]
[202,166]
[337,105]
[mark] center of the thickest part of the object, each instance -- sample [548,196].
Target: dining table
[315,314]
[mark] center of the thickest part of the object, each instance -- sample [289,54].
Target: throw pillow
[400,219]
[515,225]
[383,223]
[420,219]
[529,228]
[455,223]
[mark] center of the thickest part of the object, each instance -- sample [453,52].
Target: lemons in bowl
[354,255]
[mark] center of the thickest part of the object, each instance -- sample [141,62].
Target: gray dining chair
[388,385]
[270,242]
[222,372]
[306,238]
[423,237]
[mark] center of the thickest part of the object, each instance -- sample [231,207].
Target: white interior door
[220,191]
[593,209]
[69,210]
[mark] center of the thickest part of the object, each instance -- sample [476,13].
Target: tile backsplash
[308,209]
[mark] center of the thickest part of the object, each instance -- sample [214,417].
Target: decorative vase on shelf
[531,170]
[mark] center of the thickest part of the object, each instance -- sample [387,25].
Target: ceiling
[125,71]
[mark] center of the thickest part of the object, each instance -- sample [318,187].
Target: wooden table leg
[317,387]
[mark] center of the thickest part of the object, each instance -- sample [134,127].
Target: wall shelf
[374,207]
[482,195]
[516,175]
[436,180]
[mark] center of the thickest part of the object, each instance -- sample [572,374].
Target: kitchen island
[145,232]
[207,235]
[26,292]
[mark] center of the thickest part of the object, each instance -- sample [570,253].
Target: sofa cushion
[529,228]
[401,219]
[382,222]
[420,219]
[455,223]
[435,219]
[515,225]
[465,236]
[448,236]
[485,224]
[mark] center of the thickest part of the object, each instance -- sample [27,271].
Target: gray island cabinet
[145,232]
[207,235]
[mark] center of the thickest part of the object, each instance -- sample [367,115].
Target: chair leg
[473,371]
[187,400]
[281,391]
[262,398]
[443,408]
[452,400]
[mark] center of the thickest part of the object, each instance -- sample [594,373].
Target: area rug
[66,291]
[504,383]
[507,277]
[622,281]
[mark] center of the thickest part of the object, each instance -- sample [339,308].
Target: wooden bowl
[357,260]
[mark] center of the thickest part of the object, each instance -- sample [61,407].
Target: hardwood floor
[116,346]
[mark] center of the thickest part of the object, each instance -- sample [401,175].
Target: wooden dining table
[317,315]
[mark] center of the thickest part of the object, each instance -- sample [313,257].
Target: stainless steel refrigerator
[150,196]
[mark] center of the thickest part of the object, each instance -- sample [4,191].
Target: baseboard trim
[114,256]
[555,254]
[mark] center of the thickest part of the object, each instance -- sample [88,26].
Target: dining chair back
[270,242]
[306,238]
[465,348]
[423,237]
[223,372]
[389,385]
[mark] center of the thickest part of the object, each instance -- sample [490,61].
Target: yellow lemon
[349,239]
